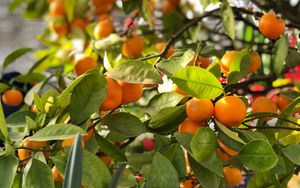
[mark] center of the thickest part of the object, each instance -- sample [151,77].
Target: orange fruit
[114,95]
[133,47]
[176,89]
[57,8]
[264,104]
[90,133]
[186,183]
[199,110]
[271,26]
[190,126]
[223,156]
[56,176]
[26,153]
[12,97]
[69,142]
[226,149]
[230,111]
[103,9]
[104,28]
[255,61]
[105,159]
[203,62]
[80,22]
[60,29]
[227,60]
[169,5]
[160,47]
[282,102]
[233,176]
[131,92]
[84,64]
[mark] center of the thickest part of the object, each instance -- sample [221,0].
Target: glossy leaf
[87,96]
[258,155]
[280,53]
[136,72]
[3,126]
[293,58]
[15,55]
[162,174]
[239,67]
[198,82]
[110,149]
[109,42]
[163,100]
[8,169]
[32,175]
[207,179]
[125,124]
[116,176]
[215,69]
[262,179]
[228,19]
[73,172]
[57,132]
[292,153]
[184,139]
[203,144]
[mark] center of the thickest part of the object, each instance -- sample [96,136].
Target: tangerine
[271,26]
[114,95]
[199,110]
[190,126]
[131,92]
[12,97]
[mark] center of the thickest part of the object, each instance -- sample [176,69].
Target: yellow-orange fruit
[190,126]
[264,104]
[271,26]
[114,95]
[133,47]
[131,92]
[199,110]
[12,97]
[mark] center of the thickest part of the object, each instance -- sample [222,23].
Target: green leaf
[3,87]
[249,136]
[146,12]
[215,69]
[129,6]
[14,4]
[229,138]
[125,124]
[207,179]
[184,139]
[57,132]
[280,53]
[198,82]
[136,72]
[178,160]
[209,51]
[279,168]
[203,143]
[292,153]
[15,55]
[163,100]
[70,8]
[168,118]
[117,175]
[110,149]
[162,174]
[239,67]
[30,77]
[228,19]
[109,42]
[3,126]
[8,169]
[293,58]
[18,118]
[170,66]
[258,155]
[73,172]
[92,175]
[87,96]
[262,179]
[28,99]
[32,175]
[288,111]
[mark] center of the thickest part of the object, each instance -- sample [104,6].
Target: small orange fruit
[223,156]
[12,97]
[133,47]
[271,26]
[230,111]
[84,64]
[190,126]
[226,149]
[69,142]
[114,95]
[59,28]
[104,28]
[105,159]
[227,60]
[176,89]
[233,176]
[264,104]
[26,153]
[80,22]
[57,8]
[160,47]
[56,176]
[169,5]
[203,62]
[255,61]
[199,110]
[131,92]
[90,133]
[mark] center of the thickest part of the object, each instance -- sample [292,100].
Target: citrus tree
[148,93]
